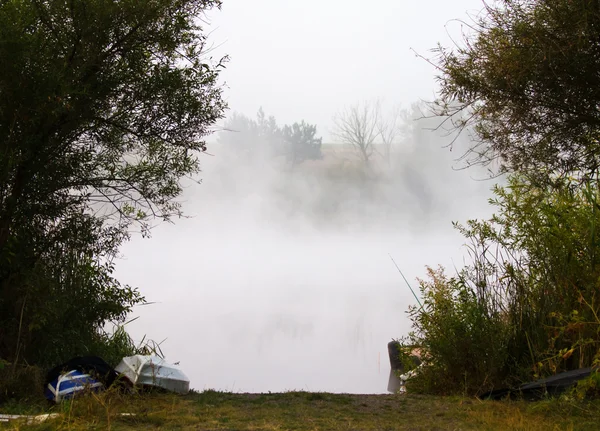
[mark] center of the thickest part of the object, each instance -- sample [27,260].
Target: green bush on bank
[528,304]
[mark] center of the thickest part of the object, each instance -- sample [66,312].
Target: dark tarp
[92,365]
[535,390]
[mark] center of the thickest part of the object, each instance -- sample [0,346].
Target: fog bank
[281,279]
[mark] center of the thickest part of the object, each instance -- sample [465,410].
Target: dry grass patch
[213,410]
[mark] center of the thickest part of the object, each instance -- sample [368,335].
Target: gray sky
[307,59]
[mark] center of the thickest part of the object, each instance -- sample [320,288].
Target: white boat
[154,371]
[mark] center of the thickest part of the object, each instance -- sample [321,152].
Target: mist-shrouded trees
[369,130]
[302,143]
[103,109]
[263,137]
[247,137]
[414,185]
[357,126]
[239,135]
[528,80]
[391,128]
[270,135]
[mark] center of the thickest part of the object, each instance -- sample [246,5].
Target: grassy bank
[306,411]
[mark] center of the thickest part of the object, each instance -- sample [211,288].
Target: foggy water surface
[251,297]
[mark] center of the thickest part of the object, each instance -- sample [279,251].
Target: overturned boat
[153,371]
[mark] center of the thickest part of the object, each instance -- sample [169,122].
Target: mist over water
[281,279]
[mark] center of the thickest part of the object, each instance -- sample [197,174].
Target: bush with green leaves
[61,290]
[528,304]
[526,78]
[104,109]
[525,81]
[462,341]
[302,142]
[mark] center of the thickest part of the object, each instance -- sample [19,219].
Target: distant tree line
[262,136]
[368,130]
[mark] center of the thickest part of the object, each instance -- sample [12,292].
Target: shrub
[463,345]
[20,382]
[527,305]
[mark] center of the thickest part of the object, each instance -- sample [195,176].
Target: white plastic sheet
[154,371]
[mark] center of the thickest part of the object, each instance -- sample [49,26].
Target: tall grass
[528,304]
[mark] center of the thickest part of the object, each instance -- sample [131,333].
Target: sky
[308,59]
[283,281]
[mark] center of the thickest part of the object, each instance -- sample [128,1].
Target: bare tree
[357,126]
[390,128]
